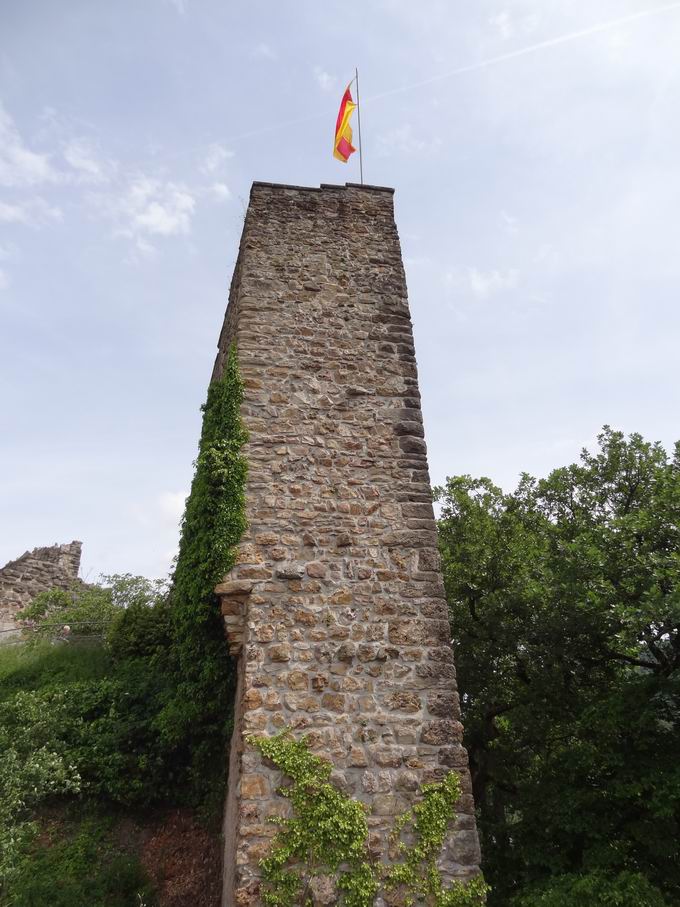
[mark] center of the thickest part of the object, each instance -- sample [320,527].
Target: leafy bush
[106,729]
[32,769]
[92,610]
[596,889]
[26,779]
[141,631]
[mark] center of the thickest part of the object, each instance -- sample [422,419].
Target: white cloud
[325,80]
[221,192]
[171,506]
[80,154]
[215,156]
[546,253]
[142,250]
[507,25]
[19,166]
[4,280]
[33,212]
[264,51]
[150,207]
[8,252]
[180,6]
[417,261]
[402,140]
[510,223]
[487,284]
[166,216]
[482,284]
[503,24]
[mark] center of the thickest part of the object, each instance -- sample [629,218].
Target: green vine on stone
[327,835]
[427,823]
[213,523]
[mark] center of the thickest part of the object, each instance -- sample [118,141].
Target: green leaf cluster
[565,609]
[327,834]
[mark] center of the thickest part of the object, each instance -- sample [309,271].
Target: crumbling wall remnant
[55,567]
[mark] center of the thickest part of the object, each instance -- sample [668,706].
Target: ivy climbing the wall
[214,521]
[327,835]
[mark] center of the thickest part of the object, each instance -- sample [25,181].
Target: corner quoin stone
[335,608]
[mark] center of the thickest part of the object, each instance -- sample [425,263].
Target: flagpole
[361,156]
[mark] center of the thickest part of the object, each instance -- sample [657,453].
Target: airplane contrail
[471,67]
[531,49]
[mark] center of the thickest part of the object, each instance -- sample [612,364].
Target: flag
[343,147]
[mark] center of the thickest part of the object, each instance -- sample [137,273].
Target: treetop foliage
[565,609]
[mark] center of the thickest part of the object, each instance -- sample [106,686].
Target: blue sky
[534,148]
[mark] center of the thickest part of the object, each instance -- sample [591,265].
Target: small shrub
[140,631]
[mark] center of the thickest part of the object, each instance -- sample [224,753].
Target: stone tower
[336,607]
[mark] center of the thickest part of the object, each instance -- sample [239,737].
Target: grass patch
[45,664]
[78,862]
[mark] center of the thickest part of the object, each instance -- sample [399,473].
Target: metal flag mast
[361,156]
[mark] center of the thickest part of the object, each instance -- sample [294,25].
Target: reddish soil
[184,860]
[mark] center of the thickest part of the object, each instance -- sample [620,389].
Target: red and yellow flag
[343,147]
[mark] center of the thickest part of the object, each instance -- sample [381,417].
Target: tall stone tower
[336,607]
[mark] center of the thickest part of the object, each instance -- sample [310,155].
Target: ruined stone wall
[336,607]
[35,571]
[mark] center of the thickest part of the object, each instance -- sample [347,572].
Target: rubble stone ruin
[36,571]
[336,606]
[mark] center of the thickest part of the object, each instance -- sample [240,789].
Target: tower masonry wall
[335,608]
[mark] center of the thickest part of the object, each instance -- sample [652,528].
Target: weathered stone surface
[403,701]
[443,704]
[280,653]
[323,891]
[439,733]
[254,787]
[344,627]
[234,587]
[290,571]
[34,572]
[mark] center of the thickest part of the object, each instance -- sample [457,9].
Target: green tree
[91,610]
[565,608]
